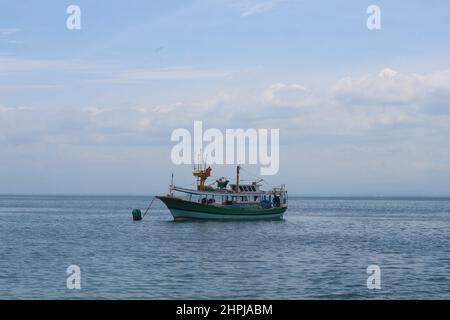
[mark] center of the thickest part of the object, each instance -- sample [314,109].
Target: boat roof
[222,192]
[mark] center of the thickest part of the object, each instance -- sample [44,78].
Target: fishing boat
[223,201]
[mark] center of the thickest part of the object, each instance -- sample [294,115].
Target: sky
[91,111]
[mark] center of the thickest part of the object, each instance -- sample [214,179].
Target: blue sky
[91,110]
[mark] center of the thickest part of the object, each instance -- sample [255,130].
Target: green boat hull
[187,210]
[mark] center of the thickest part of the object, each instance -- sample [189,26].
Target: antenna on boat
[171,185]
[199,160]
[259,178]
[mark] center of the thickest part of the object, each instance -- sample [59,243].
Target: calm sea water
[320,251]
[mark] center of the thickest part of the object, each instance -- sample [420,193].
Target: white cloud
[372,107]
[391,87]
[252,7]
[323,134]
[95,111]
[292,107]
[31,86]
[286,94]
[8,31]
[5,109]
[387,73]
[99,72]
[177,106]
[13,109]
[171,73]
[13,64]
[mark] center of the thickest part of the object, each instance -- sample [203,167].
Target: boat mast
[237,177]
[171,186]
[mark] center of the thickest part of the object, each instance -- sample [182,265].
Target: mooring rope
[148,208]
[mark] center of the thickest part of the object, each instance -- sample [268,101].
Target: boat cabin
[234,195]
